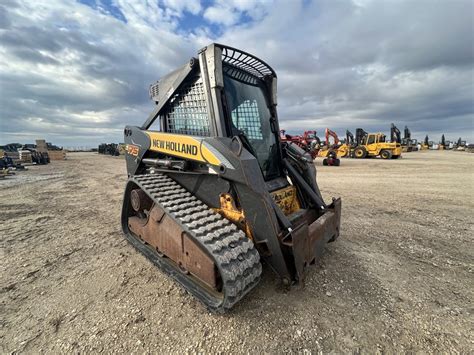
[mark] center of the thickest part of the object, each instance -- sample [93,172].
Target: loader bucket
[309,240]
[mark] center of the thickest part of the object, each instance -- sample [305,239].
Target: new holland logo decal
[183,146]
[177,147]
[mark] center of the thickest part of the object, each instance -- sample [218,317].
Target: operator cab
[241,103]
[373,138]
[249,117]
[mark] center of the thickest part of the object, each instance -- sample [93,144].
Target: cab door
[372,144]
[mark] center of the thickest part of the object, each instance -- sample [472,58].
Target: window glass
[247,118]
[371,139]
[251,118]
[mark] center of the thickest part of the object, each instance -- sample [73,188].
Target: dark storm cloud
[371,64]
[78,74]
[74,74]
[4,20]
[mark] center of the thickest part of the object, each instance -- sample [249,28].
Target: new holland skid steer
[212,191]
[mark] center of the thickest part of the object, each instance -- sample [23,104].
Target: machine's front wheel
[360,153]
[325,162]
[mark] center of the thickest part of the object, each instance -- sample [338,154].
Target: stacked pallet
[42,147]
[57,154]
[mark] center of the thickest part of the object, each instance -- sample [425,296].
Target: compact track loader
[212,191]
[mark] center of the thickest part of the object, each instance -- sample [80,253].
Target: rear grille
[154,91]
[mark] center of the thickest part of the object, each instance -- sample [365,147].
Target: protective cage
[186,112]
[246,61]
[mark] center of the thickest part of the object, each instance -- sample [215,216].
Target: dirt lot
[398,279]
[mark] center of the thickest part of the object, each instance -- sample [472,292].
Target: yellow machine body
[341,151]
[375,145]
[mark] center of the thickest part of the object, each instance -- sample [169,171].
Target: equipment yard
[399,278]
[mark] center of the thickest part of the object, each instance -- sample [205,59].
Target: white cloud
[192,6]
[222,14]
[229,12]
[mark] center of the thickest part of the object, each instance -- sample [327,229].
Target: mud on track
[399,278]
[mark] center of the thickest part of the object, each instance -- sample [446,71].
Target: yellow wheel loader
[374,145]
[213,192]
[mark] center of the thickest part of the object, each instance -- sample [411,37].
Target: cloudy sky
[76,72]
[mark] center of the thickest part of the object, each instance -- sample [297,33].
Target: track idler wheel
[140,200]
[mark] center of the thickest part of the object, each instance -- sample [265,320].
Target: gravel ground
[398,279]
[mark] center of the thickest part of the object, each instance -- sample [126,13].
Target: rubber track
[234,254]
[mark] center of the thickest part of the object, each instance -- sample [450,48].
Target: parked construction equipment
[308,141]
[212,189]
[442,144]
[408,144]
[332,152]
[109,149]
[395,135]
[460,145]
[375,144]
[24,154]
[426,143]
[347,148]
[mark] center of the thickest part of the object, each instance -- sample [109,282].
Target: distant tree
[443,141]
[459,142]
[426,140]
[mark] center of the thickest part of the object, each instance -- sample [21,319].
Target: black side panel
[135,136]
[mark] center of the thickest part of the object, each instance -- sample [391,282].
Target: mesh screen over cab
[187,111]
[246,117]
